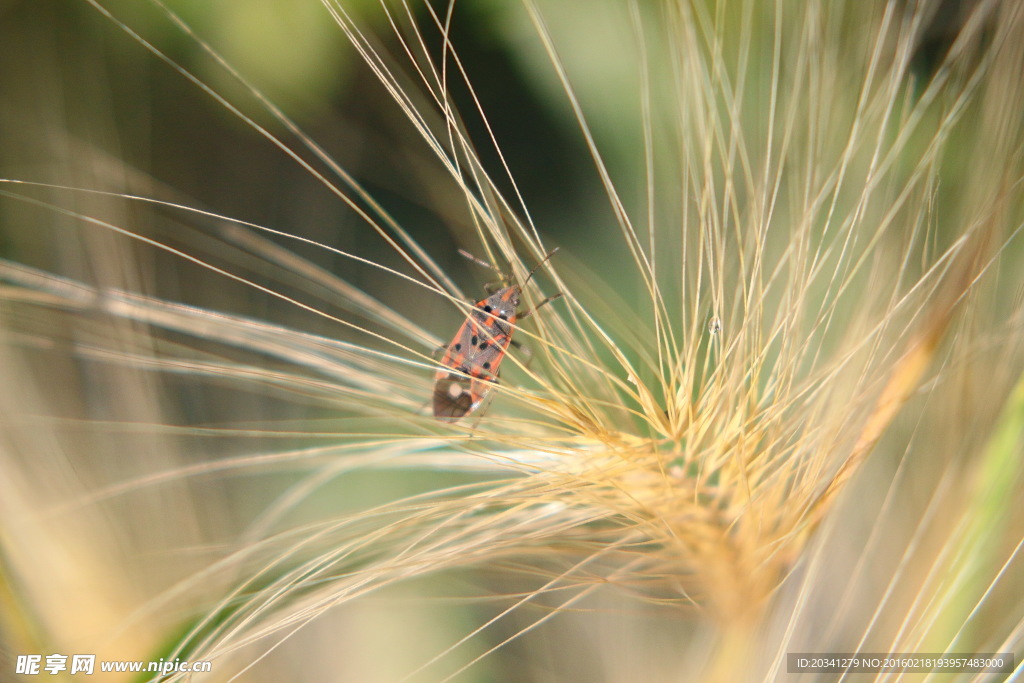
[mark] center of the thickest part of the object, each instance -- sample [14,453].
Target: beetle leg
[523,349]
[537,307]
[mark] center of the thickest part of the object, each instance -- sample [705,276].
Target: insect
[474,356]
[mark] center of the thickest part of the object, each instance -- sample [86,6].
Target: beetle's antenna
[485,264]
[479,261]
[539,264]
